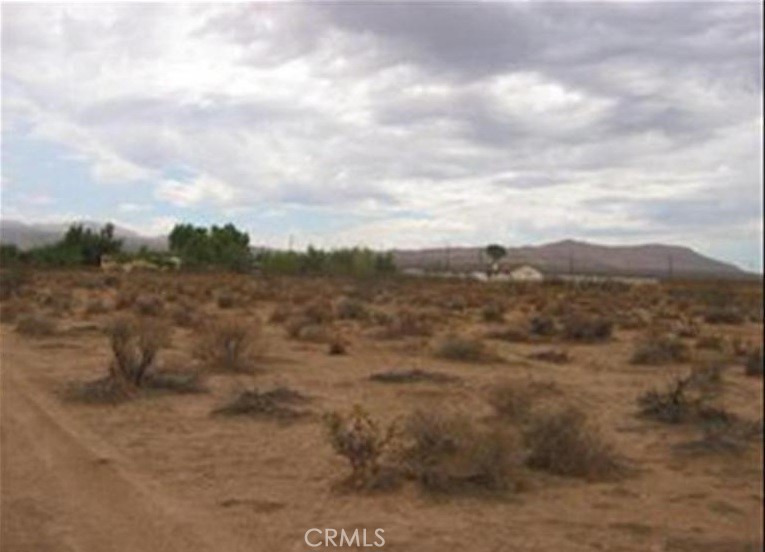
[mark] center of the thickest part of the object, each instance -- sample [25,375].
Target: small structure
[526,273]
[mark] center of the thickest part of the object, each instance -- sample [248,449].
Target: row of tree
[223,247]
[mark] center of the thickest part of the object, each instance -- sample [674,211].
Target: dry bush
[124,299]
[686,399]
[451,453]
[337,346]
[363,443]
[135,344]
[655,348]
[493,312]
[148,305]
[12,282]
[510,401]
[563,443]
[348,308]
[229,346]
[96,306]
[724,434]
[412,376]
[463,349]
[511,334]
[175,380]
[225,300]
[406,323]
[277,403]
[587,327]
[184,316]
[542,325]
[710,342]
[554,356]
[724,315]
[35,325]
[753,366]
[304,328]
[280,314]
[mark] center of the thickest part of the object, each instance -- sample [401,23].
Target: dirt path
[64,490]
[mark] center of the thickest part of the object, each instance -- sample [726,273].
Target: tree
[495,252]
[224,246]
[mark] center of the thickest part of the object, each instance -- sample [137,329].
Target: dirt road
[64,490]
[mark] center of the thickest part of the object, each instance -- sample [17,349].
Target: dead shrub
[277,404]
[586,327]
[280,314]
[347,308]
[554,356]
[412,376]
[687,399]
[35,325]
[563,443]
[12,282]
[363,443]
[229,346]
[710,342]
[148,305]
[654,349]
[135,344]
[406,323]
[753,366]
[337,347]
[226,300]
[493,312]
[511,401]
[542,325]
[724,315]
[462,349]
[96,306]
[511,334]
[450,453]
[175,381]
[304,328]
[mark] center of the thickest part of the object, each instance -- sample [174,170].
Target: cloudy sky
[392,125]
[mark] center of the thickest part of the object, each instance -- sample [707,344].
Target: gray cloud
[635,114]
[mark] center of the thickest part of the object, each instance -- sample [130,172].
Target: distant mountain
[578,257]
[26,236]
[563,257]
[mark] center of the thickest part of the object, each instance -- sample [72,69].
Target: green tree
[495,252]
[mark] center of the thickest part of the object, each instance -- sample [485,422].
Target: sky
[392,125]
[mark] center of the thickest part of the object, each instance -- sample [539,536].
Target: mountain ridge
[558,257]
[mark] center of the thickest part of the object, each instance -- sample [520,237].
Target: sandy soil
[159,473]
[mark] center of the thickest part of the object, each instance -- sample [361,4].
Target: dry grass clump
[753,365]
[563,443]
[12,282]
[35,325]
[687,399]
[511,334]
[511,402]
[175,380]
[406,323]
[542,325]
[724,315]
[451,453]
[364,444]
[277,404]
[587,327]
[348,308]
[96,306]
[710,342]
[463,349]
[554,356]
[135,344]
[656,348]
[493,312]
[225,299]
[184,315]
[148,305]
[229,346]
[412,376]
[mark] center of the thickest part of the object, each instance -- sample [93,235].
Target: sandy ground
[160,474]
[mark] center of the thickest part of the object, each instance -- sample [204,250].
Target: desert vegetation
[375,387]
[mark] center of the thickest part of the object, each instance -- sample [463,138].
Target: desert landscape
[453,415]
